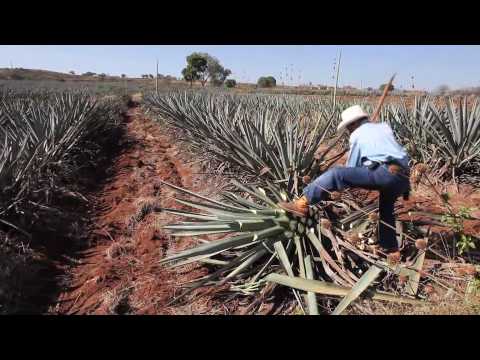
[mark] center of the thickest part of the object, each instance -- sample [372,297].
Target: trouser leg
[387,237]
[338,179]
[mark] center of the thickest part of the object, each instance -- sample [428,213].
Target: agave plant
[447,137]
[259,240]
[456,132]
[42,132]
[274,139]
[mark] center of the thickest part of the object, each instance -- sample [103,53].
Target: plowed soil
[119,273]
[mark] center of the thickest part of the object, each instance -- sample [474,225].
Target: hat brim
[344,123]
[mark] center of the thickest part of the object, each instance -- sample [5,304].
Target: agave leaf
[365,281]
[189,214]
[257,253]
[301,260]
[225,244]
[215,202]
[326,288]
[283,257]
[414,277]
[311,298]
[325,255]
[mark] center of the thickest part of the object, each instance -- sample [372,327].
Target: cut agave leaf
[365,281]
[326,288]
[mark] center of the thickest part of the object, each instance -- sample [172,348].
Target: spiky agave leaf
[251,234]
[266,137]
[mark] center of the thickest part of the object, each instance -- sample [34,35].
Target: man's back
[376,142]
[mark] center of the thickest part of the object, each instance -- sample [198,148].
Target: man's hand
[306,179]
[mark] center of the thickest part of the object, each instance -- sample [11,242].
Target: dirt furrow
[119,273]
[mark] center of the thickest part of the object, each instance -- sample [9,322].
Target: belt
[393,166]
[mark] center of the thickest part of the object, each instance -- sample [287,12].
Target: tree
[88,73]
[72,72]
[123,76]
[204,67]
[230,83]
[196,68]
[391,87]
[267,81]
[190,74]
[215,71]
[150,76]
[102,76]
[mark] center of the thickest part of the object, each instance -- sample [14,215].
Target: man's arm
[353,159]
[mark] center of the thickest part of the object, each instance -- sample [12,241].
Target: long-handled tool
[382,99]
[315,168]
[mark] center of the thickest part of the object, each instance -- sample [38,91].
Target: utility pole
[336,81]
[156,79]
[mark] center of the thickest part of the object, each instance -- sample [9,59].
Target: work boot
[298,207]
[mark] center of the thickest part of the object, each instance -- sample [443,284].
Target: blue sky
[361,65]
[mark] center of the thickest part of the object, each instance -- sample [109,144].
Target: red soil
[120,272]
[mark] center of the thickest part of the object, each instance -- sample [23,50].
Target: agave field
[263,146]
[46,138]
[267,144]
[40,134]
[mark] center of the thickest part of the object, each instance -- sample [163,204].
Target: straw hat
[351,115]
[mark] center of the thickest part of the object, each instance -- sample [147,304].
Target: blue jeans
[390,186]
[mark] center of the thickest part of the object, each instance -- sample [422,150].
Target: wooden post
[336,80]
[156,79]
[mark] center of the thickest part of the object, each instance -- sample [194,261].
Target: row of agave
[274,139]
[42,136]
[445,137]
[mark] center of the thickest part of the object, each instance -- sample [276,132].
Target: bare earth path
[119,272]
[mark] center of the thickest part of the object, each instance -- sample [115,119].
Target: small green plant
[456,223]
[465,243]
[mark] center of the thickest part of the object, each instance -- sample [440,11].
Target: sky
[360,65]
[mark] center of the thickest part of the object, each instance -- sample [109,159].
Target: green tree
[102,76]
[190,75]
[123,76]
[215,71]
[204,67]
[267,81]
[230,83]
[196,68]
[382,87]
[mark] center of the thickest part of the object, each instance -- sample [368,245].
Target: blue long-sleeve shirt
[375,142]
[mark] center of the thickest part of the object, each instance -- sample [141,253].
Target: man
[375,162]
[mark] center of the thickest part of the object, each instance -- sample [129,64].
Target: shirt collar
[358,128]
